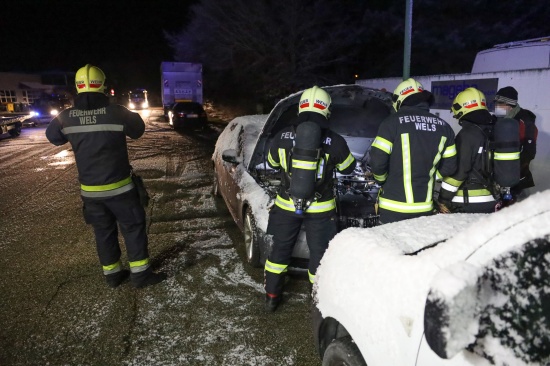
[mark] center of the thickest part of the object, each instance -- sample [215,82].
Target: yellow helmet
[404,90]
[467,101]
[315,100]
[89,79]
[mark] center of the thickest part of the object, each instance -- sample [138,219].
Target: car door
[228,171]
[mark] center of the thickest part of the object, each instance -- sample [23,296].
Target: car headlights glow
[132,106]
[145,105]
[54,112]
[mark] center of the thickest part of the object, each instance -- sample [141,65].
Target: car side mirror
[451,313]
[230,156]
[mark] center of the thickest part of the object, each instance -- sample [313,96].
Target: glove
[444,206]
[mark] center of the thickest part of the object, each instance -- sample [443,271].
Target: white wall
[533,88]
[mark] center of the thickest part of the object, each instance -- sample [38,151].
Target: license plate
[192,115]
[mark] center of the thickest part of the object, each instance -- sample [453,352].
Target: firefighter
[97,132]
[412,149]
[506,106]
[307,155]
[466,190]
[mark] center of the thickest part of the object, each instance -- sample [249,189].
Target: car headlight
[145,105]
[34,114]
[54,112]
[132,106]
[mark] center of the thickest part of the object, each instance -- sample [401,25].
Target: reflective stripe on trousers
[107,190]
[139,266]
[112,268]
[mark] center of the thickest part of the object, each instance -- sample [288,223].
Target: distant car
[449,290]
[187,115]
[45,109]
[249,186]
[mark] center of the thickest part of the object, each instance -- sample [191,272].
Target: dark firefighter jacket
[335,155]
[412,148]
[528,140]
[466,185]
[97,132]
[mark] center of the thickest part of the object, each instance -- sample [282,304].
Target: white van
[525,65]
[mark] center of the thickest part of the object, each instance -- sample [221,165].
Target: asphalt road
[55,307]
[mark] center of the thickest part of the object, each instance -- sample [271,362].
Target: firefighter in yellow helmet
[306,153]
[97,133]
[465,191]
[412,149]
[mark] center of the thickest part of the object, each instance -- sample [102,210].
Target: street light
[408,33]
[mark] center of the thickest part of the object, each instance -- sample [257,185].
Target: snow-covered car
[449,290]
[249,186]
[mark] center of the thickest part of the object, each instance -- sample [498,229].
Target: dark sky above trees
[124,37]
[259,49]
[264,50]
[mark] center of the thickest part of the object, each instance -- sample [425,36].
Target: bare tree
[270,48]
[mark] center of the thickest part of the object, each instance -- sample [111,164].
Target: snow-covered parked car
[449,290]
[249,186]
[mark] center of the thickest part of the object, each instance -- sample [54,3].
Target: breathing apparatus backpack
[304,161]
[501,164]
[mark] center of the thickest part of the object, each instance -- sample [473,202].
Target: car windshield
[355,116]
[358,121]
[347,117]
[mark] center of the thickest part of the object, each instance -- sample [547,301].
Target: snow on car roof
[366,282]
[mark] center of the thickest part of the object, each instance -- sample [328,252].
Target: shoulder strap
[485,175]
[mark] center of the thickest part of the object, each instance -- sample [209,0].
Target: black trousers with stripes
[285,227]
[106,215]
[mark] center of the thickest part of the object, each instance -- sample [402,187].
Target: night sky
[124,38]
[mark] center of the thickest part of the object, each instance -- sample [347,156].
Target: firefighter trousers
[106,215]
[285,227]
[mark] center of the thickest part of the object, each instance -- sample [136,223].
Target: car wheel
[16,130]
[252,246]
[343,352]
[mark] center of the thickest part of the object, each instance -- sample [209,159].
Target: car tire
[251,242]
[343,352]
[16,130]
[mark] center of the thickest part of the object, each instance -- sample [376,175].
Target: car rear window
[188,107]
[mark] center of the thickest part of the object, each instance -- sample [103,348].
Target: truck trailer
[180,82]
[524,65]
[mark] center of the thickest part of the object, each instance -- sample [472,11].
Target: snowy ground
[56,310]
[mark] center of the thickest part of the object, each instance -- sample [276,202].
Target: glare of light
[145,105]
[62,154]
[64,157]
[34,114]
[132,106]
[146,113]
[54,112]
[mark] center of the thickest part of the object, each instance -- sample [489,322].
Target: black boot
[272,302]
[116,279]
[147,278]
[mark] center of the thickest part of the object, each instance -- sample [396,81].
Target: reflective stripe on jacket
[97,132]
[412,148]
[335,155]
